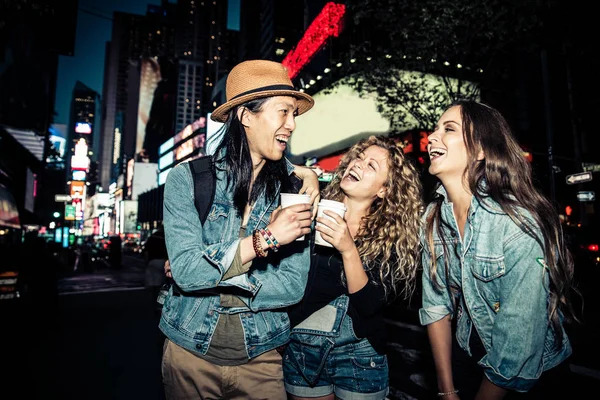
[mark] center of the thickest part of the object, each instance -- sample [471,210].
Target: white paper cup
[289,199]
[337,207]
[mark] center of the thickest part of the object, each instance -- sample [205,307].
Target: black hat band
[265,89]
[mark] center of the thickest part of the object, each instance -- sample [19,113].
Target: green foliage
[461,41]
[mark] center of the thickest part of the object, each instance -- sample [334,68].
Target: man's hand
[167,268]
[290,223]
[310,185]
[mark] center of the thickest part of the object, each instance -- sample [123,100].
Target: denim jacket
[201,255]
[503,292]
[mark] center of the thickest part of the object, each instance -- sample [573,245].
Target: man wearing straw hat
[225,315]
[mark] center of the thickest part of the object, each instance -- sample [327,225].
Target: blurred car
[131,246]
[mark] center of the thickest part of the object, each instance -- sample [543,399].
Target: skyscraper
[134,38]
[206,50]
[83,117]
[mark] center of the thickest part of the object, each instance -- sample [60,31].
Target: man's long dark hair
[234,152]
[505,176]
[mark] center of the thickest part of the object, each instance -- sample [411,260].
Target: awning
[28,139]
[9,214]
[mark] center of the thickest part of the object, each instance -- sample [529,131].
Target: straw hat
[250,80]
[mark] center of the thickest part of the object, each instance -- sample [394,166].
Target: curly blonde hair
[388,238]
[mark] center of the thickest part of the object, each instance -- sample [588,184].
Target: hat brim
[305,102]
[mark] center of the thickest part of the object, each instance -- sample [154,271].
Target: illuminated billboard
[129,179]
[214,134]
[162,176]
[341,117]
[156,106]
[80,160]
[78,175]
[9,213]
[83,127]
[186,142]
[189,146]
[184,133]
[69,212]
[59,142]
[144,178]
[150,76]
[166,146]
[165,160]
[78,209]
[77,189]
[128,213]
[80,163]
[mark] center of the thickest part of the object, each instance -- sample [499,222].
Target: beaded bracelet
[270,239]
[267,238]
[257,246]
[442,394]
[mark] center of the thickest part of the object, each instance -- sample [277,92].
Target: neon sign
[327,23]
[83,127]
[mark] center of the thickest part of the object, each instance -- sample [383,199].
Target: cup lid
[332,204]
[295,194]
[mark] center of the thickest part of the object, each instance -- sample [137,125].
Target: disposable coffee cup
[337,207]
[289,199]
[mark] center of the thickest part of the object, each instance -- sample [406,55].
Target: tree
[461,41]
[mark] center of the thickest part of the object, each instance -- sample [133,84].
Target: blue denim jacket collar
[481,200]
[261,206]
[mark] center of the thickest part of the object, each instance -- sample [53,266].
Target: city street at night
[101,341]
[455,140]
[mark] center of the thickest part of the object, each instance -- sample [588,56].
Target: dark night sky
[87,64]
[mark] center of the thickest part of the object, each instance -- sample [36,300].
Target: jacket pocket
[217,228]
[487,269]
[217,212]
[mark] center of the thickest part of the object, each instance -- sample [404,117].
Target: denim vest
[201,255]
[501,286]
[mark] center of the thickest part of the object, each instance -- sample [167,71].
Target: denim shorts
[353,371]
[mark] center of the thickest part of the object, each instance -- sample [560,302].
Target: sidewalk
[101,345]
[130,275]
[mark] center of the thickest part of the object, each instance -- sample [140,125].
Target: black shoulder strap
[203,173]
[291,185]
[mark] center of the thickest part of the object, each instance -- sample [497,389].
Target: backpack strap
[203,173]
[292,184]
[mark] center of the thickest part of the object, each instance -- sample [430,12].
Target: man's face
[269,130]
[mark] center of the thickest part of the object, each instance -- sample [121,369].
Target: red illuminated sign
[327,23]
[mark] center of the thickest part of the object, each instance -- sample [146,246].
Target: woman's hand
[310,185]
[336,233]
[289,223]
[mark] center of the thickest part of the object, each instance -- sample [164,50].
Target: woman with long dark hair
[496,271]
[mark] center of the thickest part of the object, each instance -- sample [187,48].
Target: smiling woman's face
[367,174]
[447,149]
